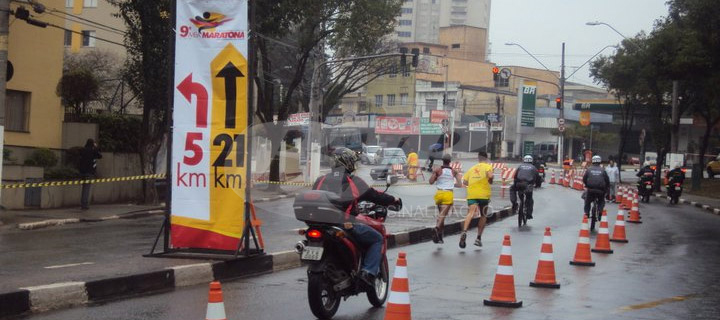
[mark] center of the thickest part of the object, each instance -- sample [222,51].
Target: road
[668,270]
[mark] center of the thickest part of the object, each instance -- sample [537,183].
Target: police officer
[524,180]
[597,184]
[676,175]
[646,173]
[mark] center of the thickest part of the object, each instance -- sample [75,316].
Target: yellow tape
[77,182]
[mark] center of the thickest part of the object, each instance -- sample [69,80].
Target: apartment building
[421,20]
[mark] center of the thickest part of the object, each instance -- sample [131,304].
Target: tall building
[421,20]
[92,22]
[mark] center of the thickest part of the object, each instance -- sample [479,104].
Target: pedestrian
[412,160]
[433,153]
[88,169]
[478,180]
[445,179]
[614,177]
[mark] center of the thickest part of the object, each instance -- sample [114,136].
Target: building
[83,35]
[421,20]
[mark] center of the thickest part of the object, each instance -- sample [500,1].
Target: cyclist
[596,183]
[524,180]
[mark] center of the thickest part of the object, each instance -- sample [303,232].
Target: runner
[478,180]
[445,179]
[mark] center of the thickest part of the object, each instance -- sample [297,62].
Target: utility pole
[674,139]
[561,145]
[4,40]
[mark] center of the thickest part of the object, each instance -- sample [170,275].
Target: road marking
[656,303]
[69,265]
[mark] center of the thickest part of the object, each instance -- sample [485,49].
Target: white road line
[69,265]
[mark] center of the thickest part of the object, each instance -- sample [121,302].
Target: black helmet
[344,157]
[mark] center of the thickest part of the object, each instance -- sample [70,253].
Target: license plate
[312,253]
[648,187]
[677,188]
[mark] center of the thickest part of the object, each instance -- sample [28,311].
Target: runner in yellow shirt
[478,180]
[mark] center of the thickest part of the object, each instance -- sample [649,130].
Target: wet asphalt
[668,270]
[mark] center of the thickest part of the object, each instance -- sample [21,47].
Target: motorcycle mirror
[391,180]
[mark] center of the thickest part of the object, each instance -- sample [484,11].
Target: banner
[437,116]
[396,125]
[298,119]
[482,126]
[210,119]
[527,104]
[585,118]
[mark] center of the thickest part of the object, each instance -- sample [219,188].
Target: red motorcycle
[333,256]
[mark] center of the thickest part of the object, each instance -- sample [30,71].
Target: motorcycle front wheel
[378,296]
[324,302]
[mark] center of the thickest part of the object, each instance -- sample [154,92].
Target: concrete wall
[75,134]
[469,43]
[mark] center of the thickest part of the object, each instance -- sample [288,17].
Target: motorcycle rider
[646,173]
[524,180]
[676,175]
[596,183]
[353,189]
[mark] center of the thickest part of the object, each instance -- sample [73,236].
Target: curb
[283,196]
[59,222]
[706,207]
[71,294]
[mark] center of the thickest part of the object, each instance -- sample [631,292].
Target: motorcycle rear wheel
[378,296]
[323,300]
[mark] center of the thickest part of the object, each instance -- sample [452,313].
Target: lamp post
[597,23]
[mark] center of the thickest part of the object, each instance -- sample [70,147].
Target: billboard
[526,107]
[397,125]
[210,117]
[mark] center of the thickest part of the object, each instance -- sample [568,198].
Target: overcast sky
[542,26]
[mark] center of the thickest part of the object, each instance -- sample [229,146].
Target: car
[387,157]
[369,153]
[713,168]
[546,151]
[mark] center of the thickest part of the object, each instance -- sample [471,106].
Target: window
[69,3]
[431,104]
[404,34]
[437,84]
[391,100]
[88,38]
[17,110]
[403,99]
[455,45]
[362,106]
[405,22]
[503,82]
[406,10]
[405,70]
[378,100]
[451,103]
[393,71]
[90,3]
[426,50]
[68,38]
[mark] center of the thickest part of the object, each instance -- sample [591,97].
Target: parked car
[546,151]
[386,157]
[369,154]
[713,167]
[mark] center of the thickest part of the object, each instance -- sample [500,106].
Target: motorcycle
[674,190]
[645,190]
[334,258]
[541,176]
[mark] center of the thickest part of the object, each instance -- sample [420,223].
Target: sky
[542,26]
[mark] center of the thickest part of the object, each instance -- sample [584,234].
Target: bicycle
[594,214]
[522,208]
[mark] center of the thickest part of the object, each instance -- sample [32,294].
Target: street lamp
[597,23]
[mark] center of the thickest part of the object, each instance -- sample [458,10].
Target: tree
[76,88]
[300,34]
[148,39]
[107,69]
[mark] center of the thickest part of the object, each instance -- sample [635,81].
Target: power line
[99,26]
[86,35]
[89,21]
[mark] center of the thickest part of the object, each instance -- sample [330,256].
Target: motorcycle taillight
[313,234]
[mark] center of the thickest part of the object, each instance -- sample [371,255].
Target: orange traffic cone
[634,211]
[398,306]
[582,251]
[216,307]
[619,231]
[619,195]
[545,275]
[627,202]
[503,293]
[552,179]
[602,242]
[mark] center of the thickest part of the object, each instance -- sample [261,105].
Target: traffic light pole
[561,145]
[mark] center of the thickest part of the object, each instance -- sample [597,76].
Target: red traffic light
[496,70]
[558,100]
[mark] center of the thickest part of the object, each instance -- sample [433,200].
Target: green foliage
[117,133]
[62,173]
[42,157]
[77,88]
[7,153]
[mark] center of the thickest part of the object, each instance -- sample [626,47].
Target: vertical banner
[210,119]
[526,106]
